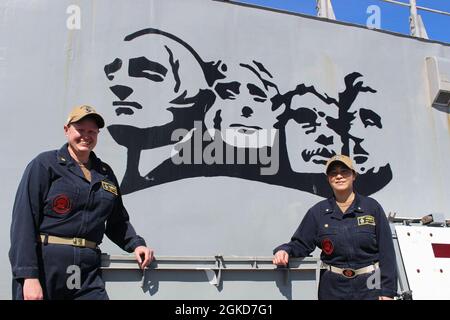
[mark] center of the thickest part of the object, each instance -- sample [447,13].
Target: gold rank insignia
[109,187]
[366,220]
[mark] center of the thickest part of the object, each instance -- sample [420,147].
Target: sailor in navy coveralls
[352,230]
[66,201]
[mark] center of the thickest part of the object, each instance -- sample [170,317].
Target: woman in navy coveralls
[352,230]
[66,201]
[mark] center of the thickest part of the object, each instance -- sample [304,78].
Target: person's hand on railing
[281,258]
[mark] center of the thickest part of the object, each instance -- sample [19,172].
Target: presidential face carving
[148,76]
[365,138]
[244,112]
[310,135]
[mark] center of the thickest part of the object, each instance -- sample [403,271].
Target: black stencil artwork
[235,122]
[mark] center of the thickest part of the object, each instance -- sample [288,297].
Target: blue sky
[393,17]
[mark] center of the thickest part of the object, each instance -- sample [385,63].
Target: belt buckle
[349,273]
[79,242]
[45,242]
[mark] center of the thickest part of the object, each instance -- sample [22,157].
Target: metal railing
[416,25]
[212,266]
[324,9]
[418,7]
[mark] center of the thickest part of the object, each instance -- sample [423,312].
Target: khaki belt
[76,242]
[351,273]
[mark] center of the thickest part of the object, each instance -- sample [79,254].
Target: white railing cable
[418,7]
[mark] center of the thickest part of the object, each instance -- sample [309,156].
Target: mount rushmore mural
[230,118]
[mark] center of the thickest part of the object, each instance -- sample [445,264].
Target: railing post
[325,9]
[416,26]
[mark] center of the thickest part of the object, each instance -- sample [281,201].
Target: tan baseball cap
[80,112]
[340,158]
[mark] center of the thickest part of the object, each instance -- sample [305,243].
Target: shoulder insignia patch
[108,186]
[366,220]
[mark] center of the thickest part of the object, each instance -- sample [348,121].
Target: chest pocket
[327,231]
[366,236]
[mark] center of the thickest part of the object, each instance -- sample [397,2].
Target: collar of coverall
[64,157]
[355,206]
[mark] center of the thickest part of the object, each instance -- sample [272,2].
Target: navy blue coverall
[356,239]
[55,198]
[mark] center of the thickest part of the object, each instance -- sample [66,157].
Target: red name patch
[62,204]
[327,246]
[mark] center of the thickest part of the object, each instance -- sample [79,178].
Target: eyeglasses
[342,172]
